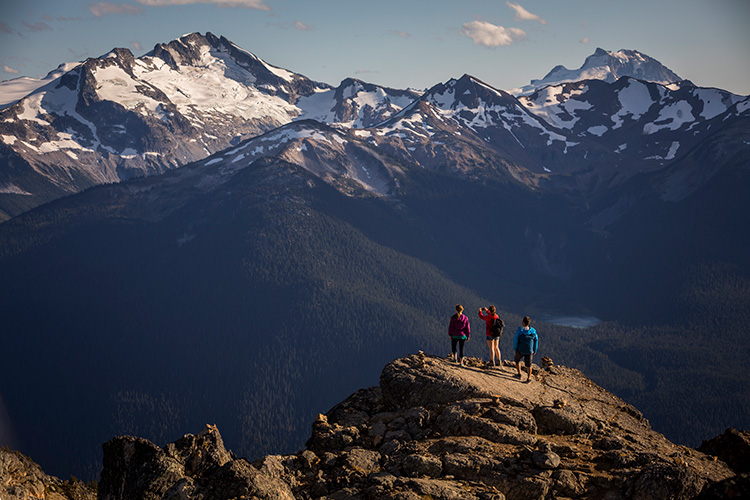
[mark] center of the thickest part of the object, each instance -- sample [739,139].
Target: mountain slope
[278,300]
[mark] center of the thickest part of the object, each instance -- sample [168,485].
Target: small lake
[574,321]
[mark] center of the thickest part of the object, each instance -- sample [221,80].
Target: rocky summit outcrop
[22,479]
[193,467]
[436,430]
[733,447]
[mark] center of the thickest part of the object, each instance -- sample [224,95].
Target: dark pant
[526,358]
[460,343]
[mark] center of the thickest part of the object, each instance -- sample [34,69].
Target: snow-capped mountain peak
[608,67]
[355,104]
[12,91]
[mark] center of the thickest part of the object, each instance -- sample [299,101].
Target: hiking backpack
[496,328]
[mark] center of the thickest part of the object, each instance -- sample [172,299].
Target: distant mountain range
[263,244]
[117,117]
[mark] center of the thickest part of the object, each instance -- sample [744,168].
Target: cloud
[584,40]
[10,70]
[402,34]
[136,46]
[297,25]
[101,9]
[490,35]
[79,55]
[37,27]
[521,14]
[249,4]
[4,28]
[300,26]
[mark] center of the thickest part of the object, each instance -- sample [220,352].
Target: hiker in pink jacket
[459,332]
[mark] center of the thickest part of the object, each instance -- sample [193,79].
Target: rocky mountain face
[117,117]
[432,429]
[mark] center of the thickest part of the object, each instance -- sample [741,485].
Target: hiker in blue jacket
[525,343]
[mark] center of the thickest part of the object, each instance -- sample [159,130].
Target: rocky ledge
[22,479]
[436,430]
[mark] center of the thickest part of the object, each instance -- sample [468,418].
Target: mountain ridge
[117,117]
[431,428]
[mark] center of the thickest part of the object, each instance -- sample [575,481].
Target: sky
[395,43]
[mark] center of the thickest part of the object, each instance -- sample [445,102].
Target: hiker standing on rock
[494,330]
[525,343]
[459,331]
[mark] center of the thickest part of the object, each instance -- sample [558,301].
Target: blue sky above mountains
[405,43]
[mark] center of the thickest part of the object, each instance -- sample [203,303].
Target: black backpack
[496,328]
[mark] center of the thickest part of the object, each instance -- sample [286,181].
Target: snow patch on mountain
[318,106]
[715,102]
[671,117]
[446,100]
[414,124]
[32,109]
[10,188]
[287,135]
[557,107]
[635,100]
[354,104]
[671,153]
[61,102]
[12,91]
[218,85]
[597,130]
[114,84]
[65,141]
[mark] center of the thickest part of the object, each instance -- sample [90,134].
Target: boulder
[422,465]
[733,447]
[734,488]
[194,467]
